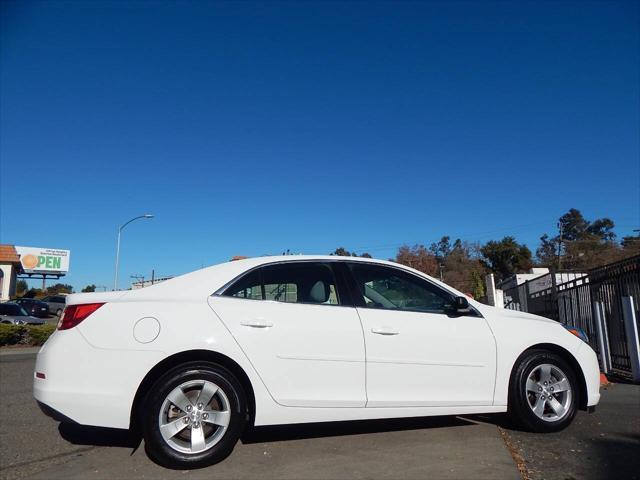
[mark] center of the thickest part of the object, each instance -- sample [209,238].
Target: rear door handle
[256,324]
[384,331]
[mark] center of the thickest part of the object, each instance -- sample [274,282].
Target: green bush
[34,335]
[38,334]
[11,334]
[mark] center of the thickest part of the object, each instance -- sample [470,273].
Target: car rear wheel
[59,312]
[193,416]
[543,394]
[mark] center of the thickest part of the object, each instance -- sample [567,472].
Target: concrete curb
[18,351]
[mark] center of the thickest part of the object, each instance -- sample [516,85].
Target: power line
[379,247]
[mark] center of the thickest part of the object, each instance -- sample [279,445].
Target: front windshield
[12,309]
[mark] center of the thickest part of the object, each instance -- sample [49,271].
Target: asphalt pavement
[34,446]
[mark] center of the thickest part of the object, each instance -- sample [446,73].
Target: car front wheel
[543,394]
[193,416]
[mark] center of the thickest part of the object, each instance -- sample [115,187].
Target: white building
[538,279]
[10,267]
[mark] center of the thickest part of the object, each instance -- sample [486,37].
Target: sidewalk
[19,350]
[6,351]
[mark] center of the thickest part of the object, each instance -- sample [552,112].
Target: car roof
[204,282]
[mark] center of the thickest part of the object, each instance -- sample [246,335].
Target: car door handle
[384,331]
[256,324]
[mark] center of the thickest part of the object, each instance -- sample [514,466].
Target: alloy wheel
[548,392]
[194,416]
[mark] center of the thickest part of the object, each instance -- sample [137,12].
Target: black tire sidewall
[156,447]
[518,403]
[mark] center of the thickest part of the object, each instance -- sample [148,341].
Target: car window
[249,286]
[12,309]
[389,288]
[295,282]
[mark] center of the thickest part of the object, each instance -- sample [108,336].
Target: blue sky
[252,128]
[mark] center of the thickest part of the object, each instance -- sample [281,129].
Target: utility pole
[139,278]
[560,248]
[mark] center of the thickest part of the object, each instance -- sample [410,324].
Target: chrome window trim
[473,312]
[220,291]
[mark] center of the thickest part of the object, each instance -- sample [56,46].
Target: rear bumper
[87,385]
[53,413]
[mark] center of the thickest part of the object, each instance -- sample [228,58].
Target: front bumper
[588,361]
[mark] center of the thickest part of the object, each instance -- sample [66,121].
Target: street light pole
[115,281]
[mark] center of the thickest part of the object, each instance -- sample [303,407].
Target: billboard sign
[44,260]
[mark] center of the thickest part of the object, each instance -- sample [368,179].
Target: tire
[58,313]
[537,406]
[193,435]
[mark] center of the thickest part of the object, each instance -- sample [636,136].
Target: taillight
[74,314]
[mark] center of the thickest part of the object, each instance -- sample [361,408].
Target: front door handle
[256,324]
[384,331]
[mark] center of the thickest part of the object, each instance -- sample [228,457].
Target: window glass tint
[281,292]
[248,286]
[388,288]
[296,282]
[301,282]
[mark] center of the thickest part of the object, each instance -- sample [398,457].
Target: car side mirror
[461,303]
[458,305]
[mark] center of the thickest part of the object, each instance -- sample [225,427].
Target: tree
[580,244]
[342,252]
[547,252]
[631,245]
[417,257]
[602,228]
[441,249]
[89,288]
[21,287]
[506,257]
[59,288]
[462,268]
[477,285]
[573,225]
[33,293]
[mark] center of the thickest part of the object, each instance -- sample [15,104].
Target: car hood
[512,314]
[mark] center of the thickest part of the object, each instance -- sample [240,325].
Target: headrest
[319,293]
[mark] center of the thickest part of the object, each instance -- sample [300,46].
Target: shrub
[34,335]
[38,334]
[11,334]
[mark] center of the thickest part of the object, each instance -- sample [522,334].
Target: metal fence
[572,302]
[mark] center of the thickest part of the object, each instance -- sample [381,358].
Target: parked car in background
[33,307]
[56,304]
[14,314]
[295,339]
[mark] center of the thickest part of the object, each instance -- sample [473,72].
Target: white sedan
[279,340]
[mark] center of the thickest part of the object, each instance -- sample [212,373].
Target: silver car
[56,304]
[14,314]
